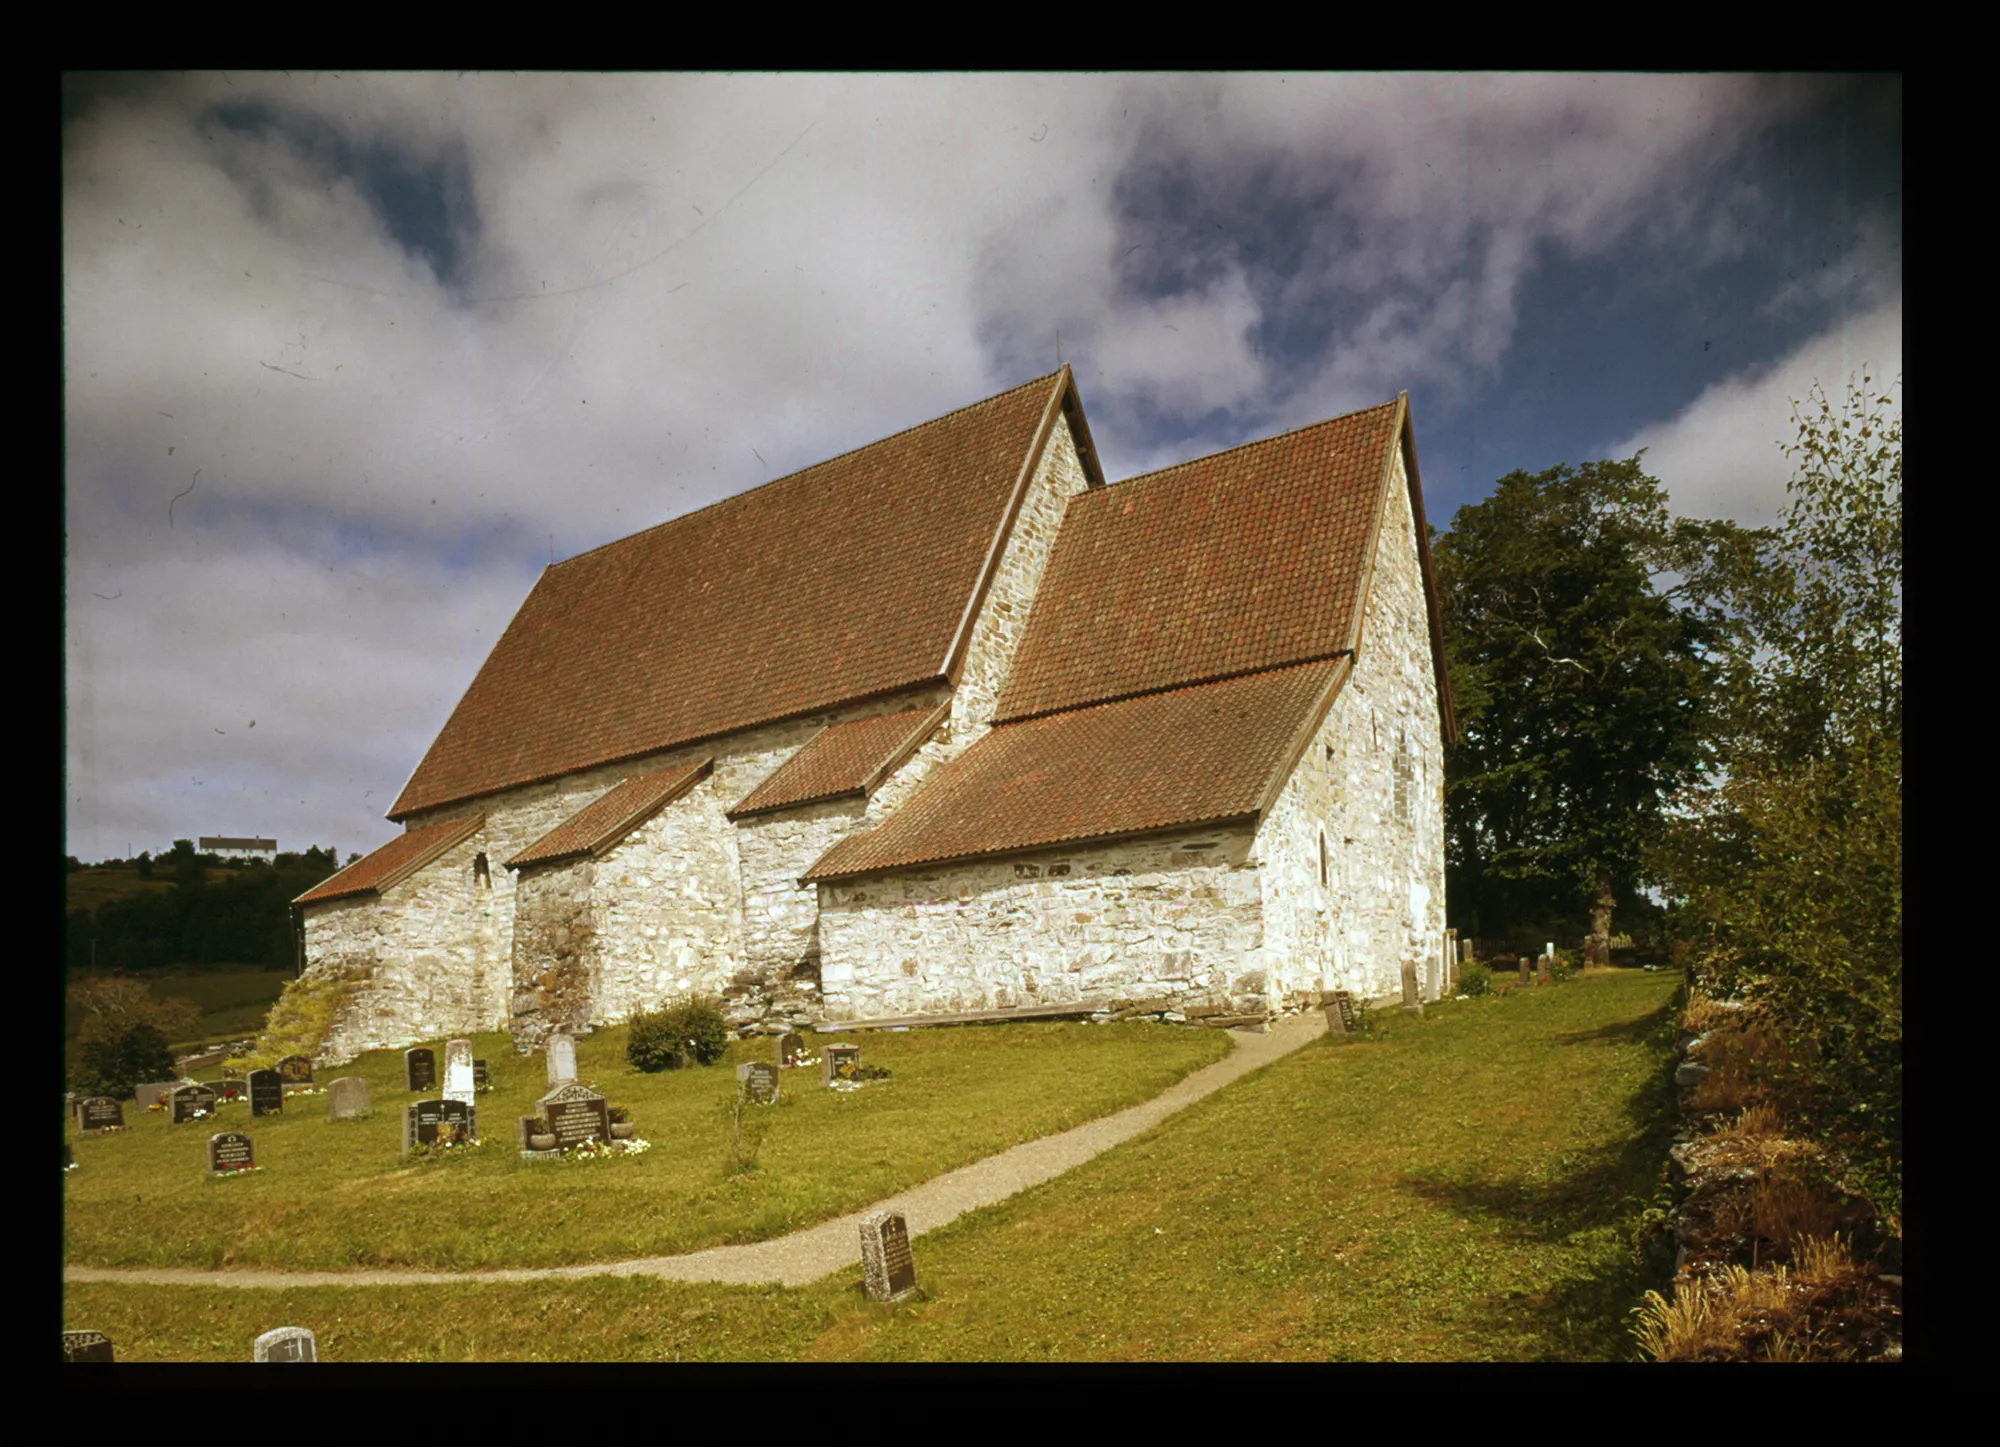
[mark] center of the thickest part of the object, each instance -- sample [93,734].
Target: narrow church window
[1325,873]
[480,871]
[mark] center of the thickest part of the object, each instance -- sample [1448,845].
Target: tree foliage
[1787,860]
[245,918]
[1580,686]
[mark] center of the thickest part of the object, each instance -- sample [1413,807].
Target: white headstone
[562,1059]
[459,1084]
[286,1344]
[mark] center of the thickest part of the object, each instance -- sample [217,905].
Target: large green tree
[1582,666]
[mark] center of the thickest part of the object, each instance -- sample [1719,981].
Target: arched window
[481,871]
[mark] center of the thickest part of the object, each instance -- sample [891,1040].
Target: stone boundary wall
[1372,781]
[1176,916]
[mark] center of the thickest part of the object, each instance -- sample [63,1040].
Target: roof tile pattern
[1245,560]
[843,581]
[613,814]
[404,855]
[845,759]
[1188,756]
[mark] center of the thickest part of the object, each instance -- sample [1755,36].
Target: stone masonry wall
[1372,782]
[429,949]
[1176,916]
[781,935]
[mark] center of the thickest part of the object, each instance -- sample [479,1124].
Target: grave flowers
[596,1150]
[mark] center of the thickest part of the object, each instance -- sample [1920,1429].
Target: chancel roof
[393,862]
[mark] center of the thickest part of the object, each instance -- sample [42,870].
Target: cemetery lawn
[1469,1188]
[332,1194]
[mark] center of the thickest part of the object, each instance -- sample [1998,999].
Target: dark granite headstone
[758,1081]
[838,1062]
[347,1098]
[188,1099]
[87,1346]
[420,1068]
[267,1092]
[285,1344]
[480,1079]
[426,1122]
[888,1269]
[575,1114]
[99,1112]
[229,1150]
[791,1048]
[296,1070]
[1340,1018]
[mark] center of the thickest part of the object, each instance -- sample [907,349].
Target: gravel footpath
[818,1251]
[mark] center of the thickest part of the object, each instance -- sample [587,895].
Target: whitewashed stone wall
[1383,900]
[781,918]
[428,949]
[1176,916]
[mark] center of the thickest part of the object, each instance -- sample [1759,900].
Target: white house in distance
[226,848]
[944,724]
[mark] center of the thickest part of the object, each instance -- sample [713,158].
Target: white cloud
[1719,457]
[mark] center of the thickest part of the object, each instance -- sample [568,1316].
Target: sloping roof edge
[321,893]
[1447,717]
[613,833]
[1063,401]
[892,761]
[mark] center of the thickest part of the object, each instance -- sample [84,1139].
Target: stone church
[944,724]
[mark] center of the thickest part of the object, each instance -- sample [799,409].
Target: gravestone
[145,1093]
[480,1079]
[267,1093]
[426,1122]
[1527,971]
[229,1150]
[758,1081]
[562,1059]
[575,1114]
[458,1081]
[791,1048]
[296,1070]
[225,1089]
[1412,1003]
[1340,1020]
[188,1099]
[87,1346]
[347,1098]
[838,1062]
[285,1344]
[99,1112]
[419,1068]
[888,1269]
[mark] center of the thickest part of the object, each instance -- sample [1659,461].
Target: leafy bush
[1474,980]
[113,1066]
[692,1026]
[301,1021]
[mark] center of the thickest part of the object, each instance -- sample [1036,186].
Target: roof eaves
[452,840]
[916,739]
[1407,440]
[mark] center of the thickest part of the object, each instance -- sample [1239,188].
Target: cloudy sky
[348,357]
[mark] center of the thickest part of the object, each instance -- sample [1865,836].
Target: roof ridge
[1160,472]
[801,471]
[1202,682]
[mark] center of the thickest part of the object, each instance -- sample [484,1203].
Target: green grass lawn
[1465,1189]
[333,1194]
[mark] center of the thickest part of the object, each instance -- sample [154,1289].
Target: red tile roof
[1246,560]
[613,814]
[849,580]
[1190,756]
[395,861]
[849,758]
